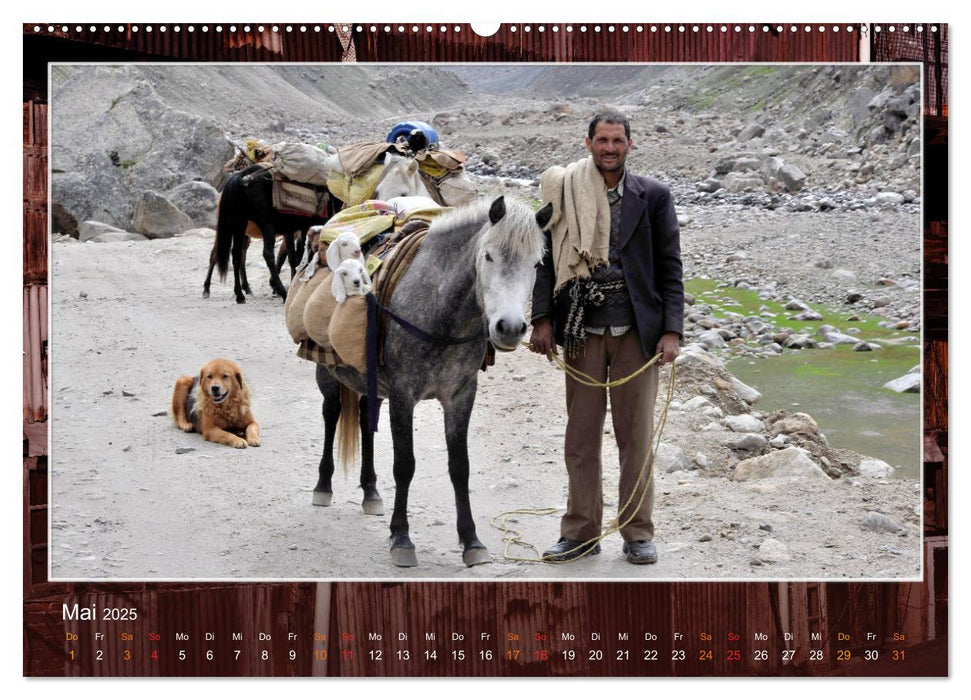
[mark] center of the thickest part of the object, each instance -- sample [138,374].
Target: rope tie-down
[513,537]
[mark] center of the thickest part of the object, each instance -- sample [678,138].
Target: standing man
[609,290]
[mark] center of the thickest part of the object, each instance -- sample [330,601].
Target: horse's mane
[517,234]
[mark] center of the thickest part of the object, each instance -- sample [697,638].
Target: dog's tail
[180,401]
[348,428]
[230,219]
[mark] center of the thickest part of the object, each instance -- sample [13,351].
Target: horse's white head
[506,258]
[345,247]
[400,179]
[350,279]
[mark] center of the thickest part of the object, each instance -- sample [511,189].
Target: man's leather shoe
[568,550]
[640,552]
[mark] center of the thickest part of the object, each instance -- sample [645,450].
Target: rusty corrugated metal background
[696,42]
[539,614]
[127,648]
[472,609]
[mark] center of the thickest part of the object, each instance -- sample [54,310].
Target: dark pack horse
[471,277]
[247,195]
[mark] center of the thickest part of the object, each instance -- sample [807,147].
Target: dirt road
[128,500]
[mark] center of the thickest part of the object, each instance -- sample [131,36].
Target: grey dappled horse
[472,276]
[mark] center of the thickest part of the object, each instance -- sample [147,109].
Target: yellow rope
[514,538]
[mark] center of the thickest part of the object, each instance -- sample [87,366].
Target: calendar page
[438,350]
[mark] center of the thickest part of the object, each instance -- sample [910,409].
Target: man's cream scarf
[580,226]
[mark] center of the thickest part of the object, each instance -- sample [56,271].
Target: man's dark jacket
[650,254]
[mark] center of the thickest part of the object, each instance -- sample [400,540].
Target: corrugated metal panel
[35,362]
[429,42]
[127,648]
[35,192]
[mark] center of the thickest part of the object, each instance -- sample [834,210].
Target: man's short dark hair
[608,118]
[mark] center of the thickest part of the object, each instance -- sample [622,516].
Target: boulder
[837,338]
[870,466]
[750,442]
[799,341]
[795,423]
[745,392]
[124,138]
[197,200]
[671,458]
[909,383]
[791,177]
[790,464]
[697,403]
[890,198]
[115,236]
[739,182]
[772,550]
[92,229]
[711,339]
[157,217]
[744,423]
[809,315]
[878,522]
[750,132]
[796,305]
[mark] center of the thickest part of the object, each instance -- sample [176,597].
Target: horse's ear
[413,167]
[497,210]
[544,215]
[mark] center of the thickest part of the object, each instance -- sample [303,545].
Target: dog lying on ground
[350,279]
[216,404]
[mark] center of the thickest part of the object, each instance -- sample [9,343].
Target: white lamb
[350,279]
[344,247]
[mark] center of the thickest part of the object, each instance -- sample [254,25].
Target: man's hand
[668,347]
[542,341]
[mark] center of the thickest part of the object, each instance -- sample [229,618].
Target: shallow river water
[843,390]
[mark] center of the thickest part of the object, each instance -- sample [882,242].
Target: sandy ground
[128,318]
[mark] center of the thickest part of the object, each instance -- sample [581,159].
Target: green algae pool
[841,389]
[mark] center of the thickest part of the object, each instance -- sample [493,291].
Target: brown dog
[216,404]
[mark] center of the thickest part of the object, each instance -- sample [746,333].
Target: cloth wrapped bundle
[297,297]
[319,309]
[348,332]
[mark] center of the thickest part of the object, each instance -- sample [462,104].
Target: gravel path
[129,502]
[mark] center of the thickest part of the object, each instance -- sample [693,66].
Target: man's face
[609,147]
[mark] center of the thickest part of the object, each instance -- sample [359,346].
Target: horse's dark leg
[372,505]
[457,414]
[239,262]
[242,269]
[402,421]
[212,266]
[301,247]
[330,390]
[269,239]
[291,251]
[281,255]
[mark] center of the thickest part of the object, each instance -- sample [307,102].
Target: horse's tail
[348,427]
[230,220]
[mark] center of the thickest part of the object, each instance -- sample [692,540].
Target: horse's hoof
[322,498]
[404,557]
[240,300]
[373,506]
[475,556]
[205,294]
